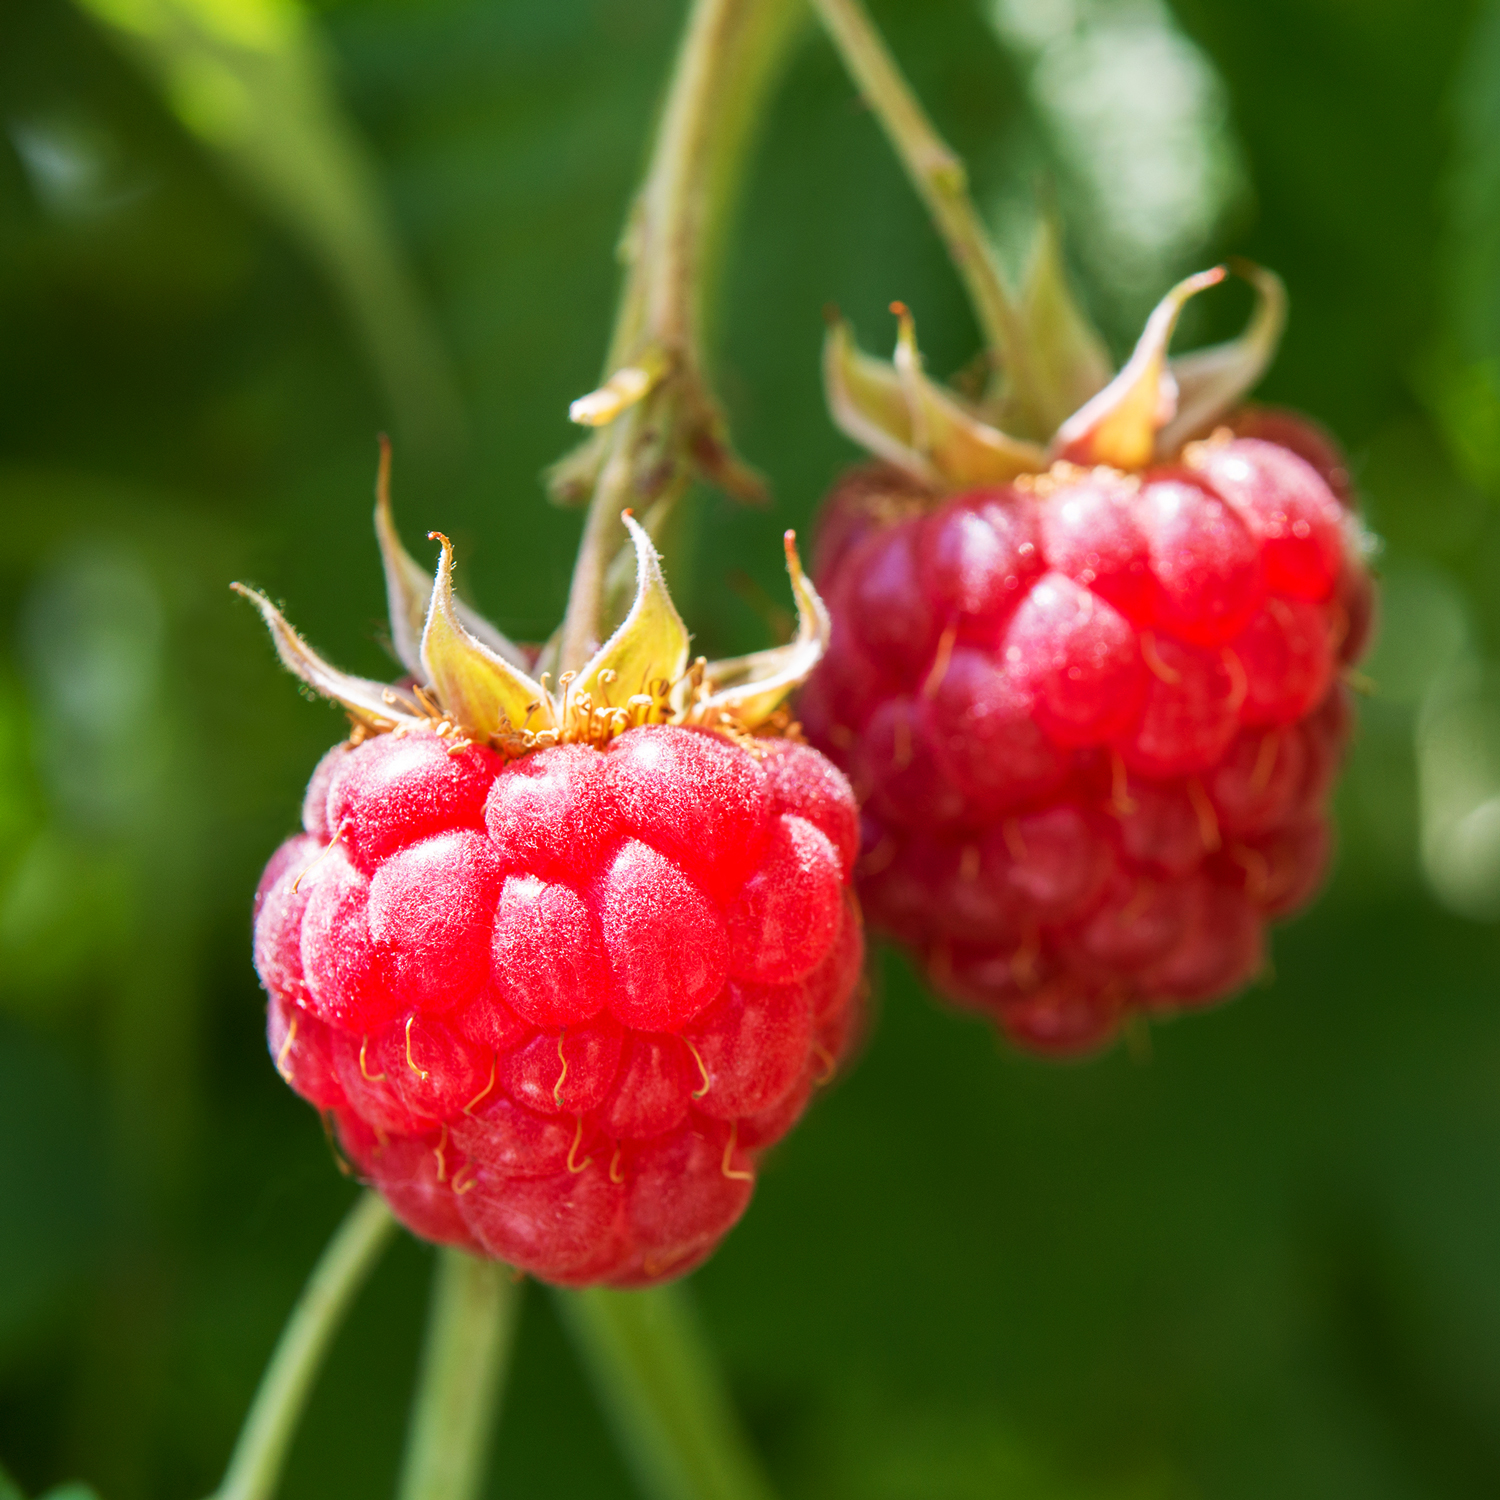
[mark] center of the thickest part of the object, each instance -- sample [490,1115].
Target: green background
[1258,1255]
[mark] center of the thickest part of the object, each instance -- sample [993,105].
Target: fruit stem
[470,1329]
[657,1380]
[666,422]
[941,180]
[260,1453]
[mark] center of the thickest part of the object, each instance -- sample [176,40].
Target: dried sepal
[714,456]
[1118,427]
[409,589]
[901,415]
[479,691]
[625,386]
[749,689]
[868,403]
[407,586]
[1212,381]
[376,705]
[1069,361]
[952,440]
[651,644]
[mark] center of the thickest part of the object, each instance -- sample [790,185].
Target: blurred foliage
[1256,1257]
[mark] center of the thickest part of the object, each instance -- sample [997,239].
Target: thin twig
[938,174]
[255,1466]
[663,1394]
[727,60]
[470,1331]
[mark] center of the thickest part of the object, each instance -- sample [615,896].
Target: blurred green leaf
[1460,376]
[250,80]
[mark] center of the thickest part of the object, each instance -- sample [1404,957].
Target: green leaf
[249,80]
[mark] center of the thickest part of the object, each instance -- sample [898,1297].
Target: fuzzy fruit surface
[557,1007]
[1093,720]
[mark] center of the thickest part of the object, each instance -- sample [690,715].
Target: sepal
[901,415]
[747,690]
[627,385]
[651,645]
[1118,427]
[409,589]
[376,705]
[1069,361]
[1210,382]
[963,449]
[868,403]
[479,690]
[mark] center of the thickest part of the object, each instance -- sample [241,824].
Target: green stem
[726,64]
[255,1466]
[470,1329]
[657,1380]
[938,174]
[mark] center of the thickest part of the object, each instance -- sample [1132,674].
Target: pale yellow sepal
[749,689]
[899,414]
[641,675]
[1211,381]
[963,450]
[1069,362]
[1118,427]
[651,645]
[374,704]
[409,589]
[868,403]
[480,692]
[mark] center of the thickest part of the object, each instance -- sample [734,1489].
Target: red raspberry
[1093,720]
[559,1005]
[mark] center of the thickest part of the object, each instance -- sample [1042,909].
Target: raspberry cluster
[557,1006]
[1093,719]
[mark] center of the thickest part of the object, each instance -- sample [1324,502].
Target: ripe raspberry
[1099,759]
[1091,708]
[545,1005]
[559,988]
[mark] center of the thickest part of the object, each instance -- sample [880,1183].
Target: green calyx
[1143,415]
[470,683]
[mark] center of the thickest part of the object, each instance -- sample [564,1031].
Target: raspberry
[1092,719]
[560,987]
[1087,693]
[548,1058]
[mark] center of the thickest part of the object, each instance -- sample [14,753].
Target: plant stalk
[260,1453]
[728,60]
[662,1392]
[941,180]
[470,1331]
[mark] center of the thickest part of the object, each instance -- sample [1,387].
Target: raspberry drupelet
[559,987]
[1092,709]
